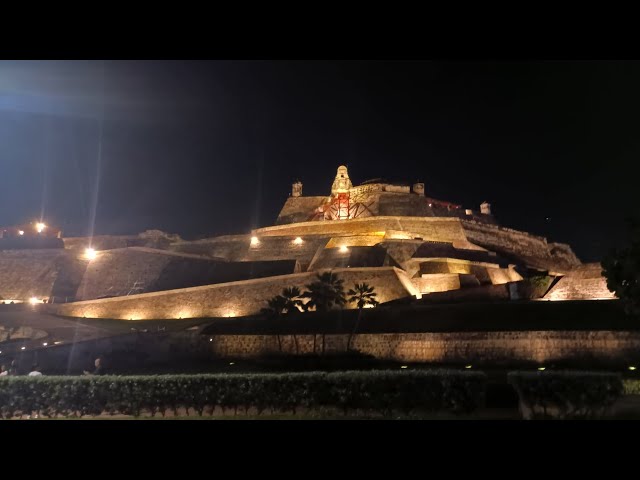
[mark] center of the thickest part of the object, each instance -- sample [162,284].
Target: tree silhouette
[621,267]
[326,293]
[363,295]
[273,311]
[285,304]
[293,304]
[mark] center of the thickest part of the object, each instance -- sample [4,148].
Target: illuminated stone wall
[475,348]
[127,271]
[121,272]
[531,248]
[583,283]
[437,282]
[102,242]
[401,251]
[541,347]
[480,293]
[238,248]
[485,274]
[434,229]
[230,299]
[299,209]
[39,273]
[355,241]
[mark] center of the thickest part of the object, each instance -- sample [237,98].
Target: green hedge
[545,395]
[373,391]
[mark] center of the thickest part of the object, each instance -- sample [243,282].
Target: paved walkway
[58,329]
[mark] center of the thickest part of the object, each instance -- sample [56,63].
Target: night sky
[212,147]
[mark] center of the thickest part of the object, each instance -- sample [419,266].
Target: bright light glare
[20,232]
[298,241]
[344,249]
[40,227]
[34,300]
[90,253]
[255,241]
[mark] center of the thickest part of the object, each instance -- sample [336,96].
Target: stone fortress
[409,246]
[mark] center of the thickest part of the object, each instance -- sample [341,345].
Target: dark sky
[211,147]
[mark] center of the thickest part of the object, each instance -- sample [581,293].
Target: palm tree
[293,304]
[326,293]
[286,303]
[363,295]
[293,300]
[274,311]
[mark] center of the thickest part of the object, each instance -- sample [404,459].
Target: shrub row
[374,391]
[545,395]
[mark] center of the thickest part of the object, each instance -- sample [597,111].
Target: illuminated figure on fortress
[342,183]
